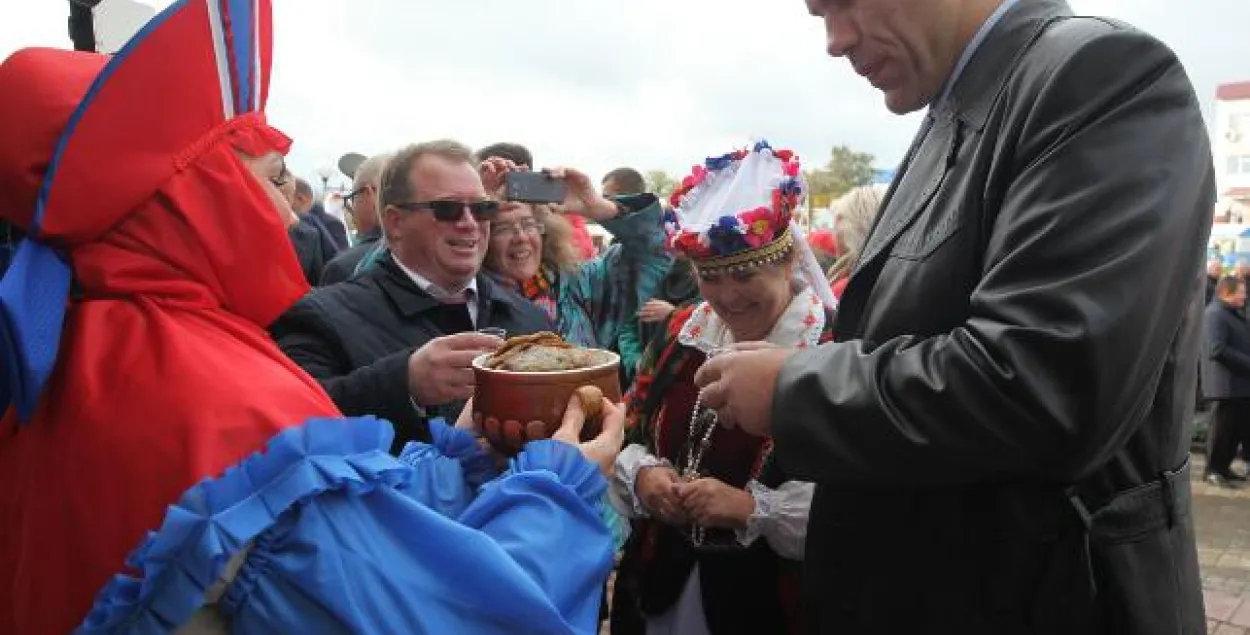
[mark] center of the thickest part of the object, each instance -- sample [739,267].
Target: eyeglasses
[452,211]
[349,201]
[527,227]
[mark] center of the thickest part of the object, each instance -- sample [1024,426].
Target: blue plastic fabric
[347,539]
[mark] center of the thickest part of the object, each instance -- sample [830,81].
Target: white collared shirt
[440,293]
[970,49]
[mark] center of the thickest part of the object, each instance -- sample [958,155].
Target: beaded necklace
[703,423]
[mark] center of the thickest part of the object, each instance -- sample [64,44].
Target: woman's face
[516,242]
[270,171]
[751,301]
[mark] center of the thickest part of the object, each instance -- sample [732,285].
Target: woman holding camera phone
[531,251]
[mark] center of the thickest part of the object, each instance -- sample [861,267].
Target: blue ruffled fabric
[343,542]
[218,517]
[447,473]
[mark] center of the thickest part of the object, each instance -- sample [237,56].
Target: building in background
[1232,148]
[104,26]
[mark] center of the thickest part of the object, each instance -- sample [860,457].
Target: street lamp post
[324,173]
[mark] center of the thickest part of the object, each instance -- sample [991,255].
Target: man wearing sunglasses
[397,341]
[362,204]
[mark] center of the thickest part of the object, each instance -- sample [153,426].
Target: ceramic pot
[511,408]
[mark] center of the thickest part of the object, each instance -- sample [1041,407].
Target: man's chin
[901,102]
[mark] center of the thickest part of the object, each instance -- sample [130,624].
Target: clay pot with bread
[524,387]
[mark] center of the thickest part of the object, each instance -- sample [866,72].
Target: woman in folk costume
[134,351]
[136,363]
[719,529]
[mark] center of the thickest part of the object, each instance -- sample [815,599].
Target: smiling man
[397,340]
[1000,432]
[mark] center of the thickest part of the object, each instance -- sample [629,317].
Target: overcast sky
[598,83]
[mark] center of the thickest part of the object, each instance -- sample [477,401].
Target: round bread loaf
[592,401]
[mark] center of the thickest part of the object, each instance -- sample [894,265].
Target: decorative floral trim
[743,230]
[800,326]
[751,258]
[219,517]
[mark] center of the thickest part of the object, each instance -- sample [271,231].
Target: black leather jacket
[997,433]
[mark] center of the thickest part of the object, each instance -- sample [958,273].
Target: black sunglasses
[452,211]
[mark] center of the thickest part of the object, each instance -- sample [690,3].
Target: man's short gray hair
[370,171]
[395,187]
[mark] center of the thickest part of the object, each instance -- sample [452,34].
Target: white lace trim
[629,463]
[780,517]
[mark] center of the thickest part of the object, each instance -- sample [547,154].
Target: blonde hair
[558,250]
[855,212]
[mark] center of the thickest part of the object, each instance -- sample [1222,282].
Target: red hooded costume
[125,169]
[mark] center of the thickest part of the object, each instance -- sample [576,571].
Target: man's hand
[601,450]
[494,172]
[739,385]
[441,371]
[655,311]
[582,199]
[655,487]
[712,503]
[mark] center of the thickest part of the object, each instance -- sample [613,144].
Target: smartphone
[534,187]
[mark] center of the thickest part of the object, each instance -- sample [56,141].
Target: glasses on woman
[452,211]
[527,227]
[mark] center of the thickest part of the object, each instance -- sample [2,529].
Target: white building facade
[1232,143]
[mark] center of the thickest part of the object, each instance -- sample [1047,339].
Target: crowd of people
[962,410]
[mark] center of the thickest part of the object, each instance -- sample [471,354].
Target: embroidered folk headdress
[736,212]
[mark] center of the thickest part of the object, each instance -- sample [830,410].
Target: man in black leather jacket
[1000,433]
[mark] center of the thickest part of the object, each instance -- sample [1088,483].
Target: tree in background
[660,183]
[846,170]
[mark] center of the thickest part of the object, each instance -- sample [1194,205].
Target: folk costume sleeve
[340,537]
[642,403]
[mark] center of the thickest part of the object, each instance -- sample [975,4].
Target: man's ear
[390,222]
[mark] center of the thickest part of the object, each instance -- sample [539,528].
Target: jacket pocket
[935,228]
[1149,584]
